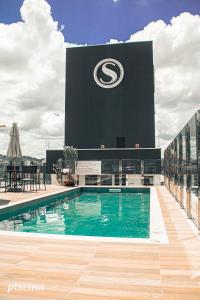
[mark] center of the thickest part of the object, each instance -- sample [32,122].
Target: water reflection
[123,215]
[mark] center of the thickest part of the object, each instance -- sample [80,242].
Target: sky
[96,21]
[33,38]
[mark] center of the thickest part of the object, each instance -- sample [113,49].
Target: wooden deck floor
[80,270]
[16,197]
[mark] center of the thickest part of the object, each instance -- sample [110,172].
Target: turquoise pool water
[87,214]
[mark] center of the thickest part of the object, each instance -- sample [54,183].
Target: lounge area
[23,178]
[11,198]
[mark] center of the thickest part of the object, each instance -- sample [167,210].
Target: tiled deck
[15,197]
[80,270]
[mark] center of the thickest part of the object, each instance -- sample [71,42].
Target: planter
[69,181]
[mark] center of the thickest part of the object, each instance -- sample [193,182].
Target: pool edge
[158,233]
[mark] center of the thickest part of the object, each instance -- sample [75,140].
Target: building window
[120,141]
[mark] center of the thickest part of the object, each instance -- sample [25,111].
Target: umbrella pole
[14,165]
[14,174]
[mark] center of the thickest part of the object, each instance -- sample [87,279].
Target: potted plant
[71,157]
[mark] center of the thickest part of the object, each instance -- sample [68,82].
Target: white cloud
[177,63]
[62,27]
[32,68]
[32,71]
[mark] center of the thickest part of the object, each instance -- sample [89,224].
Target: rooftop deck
[82,270]
[16,197]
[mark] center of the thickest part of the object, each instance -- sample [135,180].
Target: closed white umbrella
[14,149]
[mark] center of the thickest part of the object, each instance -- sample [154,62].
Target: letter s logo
[112,72]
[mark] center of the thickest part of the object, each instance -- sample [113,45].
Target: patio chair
[41,177]
[2,180]
[29,179]
[12,179]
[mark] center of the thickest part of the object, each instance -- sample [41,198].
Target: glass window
[91,179]
[152,166]
[106,179]
[131,166]
[110,166]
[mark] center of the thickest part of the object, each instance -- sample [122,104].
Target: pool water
[88,214]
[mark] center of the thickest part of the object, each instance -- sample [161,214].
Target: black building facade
[110,96]
[109,113]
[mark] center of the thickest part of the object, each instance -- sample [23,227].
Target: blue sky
[96,21]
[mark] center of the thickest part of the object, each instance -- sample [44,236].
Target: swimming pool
[105,213]
[94,213]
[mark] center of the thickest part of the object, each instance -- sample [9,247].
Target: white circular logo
[108,73]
